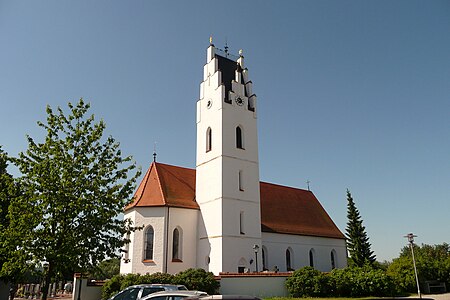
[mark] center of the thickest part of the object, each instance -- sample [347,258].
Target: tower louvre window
[241,183]
[239,141]
[241,222]
[208,139]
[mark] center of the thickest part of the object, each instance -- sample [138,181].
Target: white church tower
[227,171]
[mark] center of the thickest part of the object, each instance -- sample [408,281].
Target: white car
[139,291]
[174,295]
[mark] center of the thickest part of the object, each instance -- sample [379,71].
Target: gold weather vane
[210,39]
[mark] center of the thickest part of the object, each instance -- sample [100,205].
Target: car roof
[225,297]
[155,285]
[175,293]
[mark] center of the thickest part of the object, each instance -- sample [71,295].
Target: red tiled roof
[166,185]
[283,209]
[294,211]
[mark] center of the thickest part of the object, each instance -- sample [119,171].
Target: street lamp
[410,238]
[256,249]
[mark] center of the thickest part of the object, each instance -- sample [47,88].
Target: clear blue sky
[351,94]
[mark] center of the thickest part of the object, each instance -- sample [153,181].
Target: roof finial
[154,152]
[241,52]
[210,40]
[308,182]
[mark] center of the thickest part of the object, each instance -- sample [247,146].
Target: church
[219,216]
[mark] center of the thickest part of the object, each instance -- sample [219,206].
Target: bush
[198,279]
[308,282]
[360,282]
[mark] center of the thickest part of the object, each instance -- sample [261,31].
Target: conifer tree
[358,244]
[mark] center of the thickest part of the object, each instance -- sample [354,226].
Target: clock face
[239,101]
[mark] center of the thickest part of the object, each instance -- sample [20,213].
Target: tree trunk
[46,283]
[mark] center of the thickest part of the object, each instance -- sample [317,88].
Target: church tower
[227,171]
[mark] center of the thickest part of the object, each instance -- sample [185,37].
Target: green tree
[105,269]
[13,261]
[432,261]
[357,241]
[76,183]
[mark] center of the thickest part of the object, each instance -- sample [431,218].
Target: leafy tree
[76,183]
[13,261]
[432,261]
[105,269]
[357,241]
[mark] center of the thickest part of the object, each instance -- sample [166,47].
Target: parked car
[223,297]
[174,295]
[136,292]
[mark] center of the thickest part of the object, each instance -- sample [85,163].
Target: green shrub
[360,282]
[112,286]
[198,279]
[308,282]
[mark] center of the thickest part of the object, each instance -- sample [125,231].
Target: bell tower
[227,169]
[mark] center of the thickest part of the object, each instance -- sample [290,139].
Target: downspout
[167,240]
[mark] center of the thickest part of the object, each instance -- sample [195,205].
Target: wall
[89,291]
[261,285]
[276,245]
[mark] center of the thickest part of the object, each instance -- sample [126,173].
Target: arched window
[239,141]
[126,250]
[176,245]
[208,139]
[242,265]
[149,236]
[333,259]
[264,258]
[288,260]
[311,258]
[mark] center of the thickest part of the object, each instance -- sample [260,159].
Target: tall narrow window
[333,259]
[311,258]
[176,253]
[241,183]
[288,260]
[241,222]
[126,250]
[264,258]
[208,139]
[239,143]
[149,235]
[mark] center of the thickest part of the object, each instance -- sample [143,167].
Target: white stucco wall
[186,222]
[276,244]
[221,244]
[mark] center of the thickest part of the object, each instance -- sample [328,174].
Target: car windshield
[130,294]
[182,288]
[151,290]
